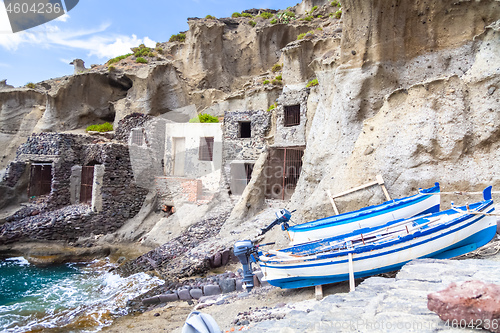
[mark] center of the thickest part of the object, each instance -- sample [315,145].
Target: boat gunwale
[480,206]
[365,212]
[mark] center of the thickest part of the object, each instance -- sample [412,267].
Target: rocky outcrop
[412,97]
[382,304]
[469,302]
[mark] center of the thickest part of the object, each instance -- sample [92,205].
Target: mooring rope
[487,250]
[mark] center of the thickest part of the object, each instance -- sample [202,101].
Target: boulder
[211,289]
[227,285]
[184,294]
[168,297]
[470,302]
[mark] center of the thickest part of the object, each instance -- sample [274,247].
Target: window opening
[206,149]
[292,115]
[245,129]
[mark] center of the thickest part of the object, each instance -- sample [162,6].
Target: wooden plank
[319,293]
[352,285]
[332,202]
[381,182]
[355,189]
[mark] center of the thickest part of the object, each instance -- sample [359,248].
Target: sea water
[66,298]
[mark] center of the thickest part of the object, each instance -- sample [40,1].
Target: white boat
[425,202]
[381,249]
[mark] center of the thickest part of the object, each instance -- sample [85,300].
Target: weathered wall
[414,98]
[209,172]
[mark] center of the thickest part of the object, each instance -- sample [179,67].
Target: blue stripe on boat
[367,212]
[476,240]
[389,244]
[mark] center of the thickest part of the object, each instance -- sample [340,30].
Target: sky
[97,30]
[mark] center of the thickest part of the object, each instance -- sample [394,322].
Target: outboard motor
[282,217]
[243,250]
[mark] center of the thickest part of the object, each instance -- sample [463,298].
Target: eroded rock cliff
[414,97]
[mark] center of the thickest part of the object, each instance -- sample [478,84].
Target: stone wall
[292,135]
[121,197]
[238,150]
[117,197]
[125,125]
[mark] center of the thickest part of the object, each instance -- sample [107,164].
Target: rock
[184,294]
[260,277]
[472,301]
[151,300]
[239,285]
[211,289]
[227,285]
[217,261]
[196,293]
[169,297]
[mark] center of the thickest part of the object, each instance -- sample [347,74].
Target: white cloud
[4,65]
[63,18]
[94,41]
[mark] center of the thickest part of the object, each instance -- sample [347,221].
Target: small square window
[245,130]
[206,151]
[292,115]
[137,137]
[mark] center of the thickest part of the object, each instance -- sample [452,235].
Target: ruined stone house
[65,169]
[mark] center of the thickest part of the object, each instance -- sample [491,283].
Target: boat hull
[369,217]
[461,237]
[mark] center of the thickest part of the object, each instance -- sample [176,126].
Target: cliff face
[414,97]
[407,89]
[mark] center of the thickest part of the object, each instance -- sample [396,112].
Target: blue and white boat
[381,249]
[425,202]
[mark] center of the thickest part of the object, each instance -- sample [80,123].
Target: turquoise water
[68,298]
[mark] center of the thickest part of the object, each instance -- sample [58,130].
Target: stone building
[284,163]
[244,140]
[192,162]
[64,169]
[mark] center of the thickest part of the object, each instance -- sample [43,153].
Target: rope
[487,250]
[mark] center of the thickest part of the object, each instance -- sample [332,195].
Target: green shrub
[210,17]
[279,77]
[272,107]
[266,82]
[319,28]
[111,68]
[181,37]
[252,23]
[338,13]
[277,82]
[106,127]
[142,51]
[336,4]
[31,85]
[319,16]
[276,68]
[274,21]
[266,15]
[312,83]
[301,36]
[285,17]
[141,60]
[115,60]
[204,118]
[236,15]
[307,18]
[247,15]
[313,9]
